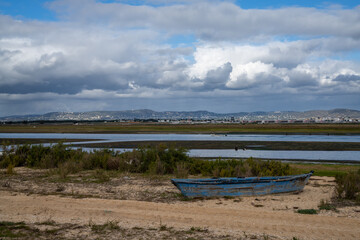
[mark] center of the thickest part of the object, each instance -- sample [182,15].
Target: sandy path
[229,219]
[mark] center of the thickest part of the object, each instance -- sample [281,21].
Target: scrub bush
[159,160]
[348,186]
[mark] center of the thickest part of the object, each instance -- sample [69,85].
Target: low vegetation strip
[158,160]
[183,128]
[329,170]
[240,145]
[348,186]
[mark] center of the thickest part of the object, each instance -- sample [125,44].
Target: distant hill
[195,115]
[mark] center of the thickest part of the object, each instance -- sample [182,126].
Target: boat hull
[253,186]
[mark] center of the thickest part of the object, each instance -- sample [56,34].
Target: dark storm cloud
[64,85]
[217,78]
[301,79]
[347,78]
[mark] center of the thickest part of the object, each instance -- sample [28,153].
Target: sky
[178,55]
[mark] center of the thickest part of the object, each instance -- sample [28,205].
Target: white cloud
[215,20]
[293,64]
[103,52]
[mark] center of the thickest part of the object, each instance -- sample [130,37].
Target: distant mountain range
[195,115]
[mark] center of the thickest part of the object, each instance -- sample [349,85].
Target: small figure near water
[237,148]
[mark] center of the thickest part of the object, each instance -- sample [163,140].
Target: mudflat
[143,207]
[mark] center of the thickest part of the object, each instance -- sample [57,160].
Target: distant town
[192,117]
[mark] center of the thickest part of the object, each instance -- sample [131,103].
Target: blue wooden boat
[249,186]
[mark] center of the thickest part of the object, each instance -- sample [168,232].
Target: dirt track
[140,204]
[225,218]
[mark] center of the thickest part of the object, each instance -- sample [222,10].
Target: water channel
[353,156]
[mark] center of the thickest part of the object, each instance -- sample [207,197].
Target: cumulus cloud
[276,64]
[70,59]
[119,56]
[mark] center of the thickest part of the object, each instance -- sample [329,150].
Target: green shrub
[348,185]
[5,160]
[108,226]
[216,172]
[325,205]
[113,163]
[157,167]
[10,169]
[101,175]
[181,170]
[155,160]
[307,211]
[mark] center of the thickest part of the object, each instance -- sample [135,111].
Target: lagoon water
[225,153]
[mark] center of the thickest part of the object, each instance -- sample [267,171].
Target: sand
[273,215]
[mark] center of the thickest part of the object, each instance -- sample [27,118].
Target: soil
[95,204]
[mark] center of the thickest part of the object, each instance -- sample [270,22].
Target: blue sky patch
[27,9]
[182,40]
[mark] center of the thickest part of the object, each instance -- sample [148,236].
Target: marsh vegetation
[99,166]
[155,160]
[183,128]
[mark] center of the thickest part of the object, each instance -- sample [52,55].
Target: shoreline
[215,145]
